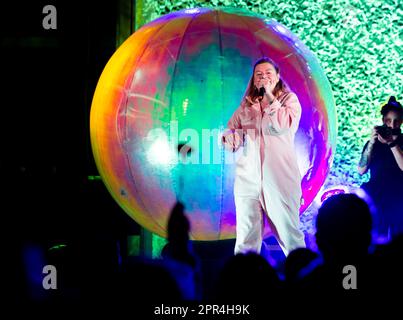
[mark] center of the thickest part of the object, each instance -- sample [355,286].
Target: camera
[385,132]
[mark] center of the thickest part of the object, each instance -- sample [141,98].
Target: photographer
[383,156]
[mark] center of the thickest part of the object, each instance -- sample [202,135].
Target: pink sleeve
[234,124]
[282,116]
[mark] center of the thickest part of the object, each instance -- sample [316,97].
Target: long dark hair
[280,87]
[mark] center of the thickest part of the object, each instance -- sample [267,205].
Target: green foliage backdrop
[359,44]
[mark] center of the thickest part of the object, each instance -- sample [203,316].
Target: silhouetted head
[178,224]
[296,261]
[142,280]
[245,276]
[343,228]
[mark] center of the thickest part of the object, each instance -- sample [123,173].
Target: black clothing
[385,188]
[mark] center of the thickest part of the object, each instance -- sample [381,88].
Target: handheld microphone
[262,91]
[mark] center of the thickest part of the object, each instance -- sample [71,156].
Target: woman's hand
[268,86]
[382,140]
[232,141]
[374,136]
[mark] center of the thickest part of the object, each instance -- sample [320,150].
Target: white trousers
[283,221]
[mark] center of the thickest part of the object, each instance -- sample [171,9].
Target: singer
[267,178]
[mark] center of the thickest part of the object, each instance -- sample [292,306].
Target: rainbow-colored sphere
[178,80]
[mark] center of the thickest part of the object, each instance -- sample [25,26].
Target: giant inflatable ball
[167,93]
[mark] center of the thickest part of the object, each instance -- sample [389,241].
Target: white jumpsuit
[267,174]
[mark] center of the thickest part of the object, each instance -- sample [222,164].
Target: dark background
[48,78]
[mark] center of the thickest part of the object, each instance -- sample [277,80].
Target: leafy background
[358,44]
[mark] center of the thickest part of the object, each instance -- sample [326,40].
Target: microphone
[262,91]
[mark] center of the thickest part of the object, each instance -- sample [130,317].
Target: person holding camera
[383,156]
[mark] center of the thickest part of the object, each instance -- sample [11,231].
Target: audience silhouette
[343,237]
[347,265]
[243,278]
[178,255]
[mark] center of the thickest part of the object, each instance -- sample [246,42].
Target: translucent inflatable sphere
[167,93]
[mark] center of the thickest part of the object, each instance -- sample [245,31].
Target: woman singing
[267,175]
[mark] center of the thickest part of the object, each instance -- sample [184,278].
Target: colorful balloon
[177,81]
